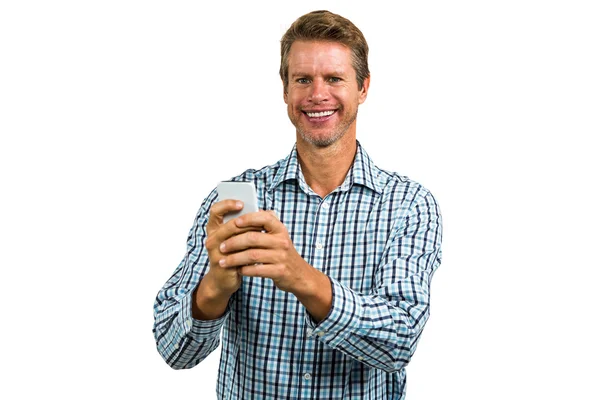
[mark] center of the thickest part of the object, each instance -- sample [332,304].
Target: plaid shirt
[377,237]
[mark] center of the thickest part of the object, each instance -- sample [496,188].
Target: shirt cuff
[200,329]
[342,319]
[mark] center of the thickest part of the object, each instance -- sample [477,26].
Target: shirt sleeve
[181,340]
[382,328]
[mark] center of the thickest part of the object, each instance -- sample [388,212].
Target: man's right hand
[212,294]
[227,281]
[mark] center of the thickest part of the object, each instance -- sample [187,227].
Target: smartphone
[244,191]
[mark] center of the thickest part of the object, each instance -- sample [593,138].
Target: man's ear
[285,95]
[363,92]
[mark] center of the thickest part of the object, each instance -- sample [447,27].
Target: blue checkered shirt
[377,237]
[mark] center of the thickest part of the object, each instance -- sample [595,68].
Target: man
[325,295]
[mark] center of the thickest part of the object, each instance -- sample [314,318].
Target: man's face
[322,96]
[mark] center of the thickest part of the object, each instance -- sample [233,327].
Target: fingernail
[222,247]
[222,262]
[239,204]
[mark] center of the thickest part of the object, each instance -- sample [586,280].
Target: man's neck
[325,168]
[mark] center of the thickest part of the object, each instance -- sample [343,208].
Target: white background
[118,117]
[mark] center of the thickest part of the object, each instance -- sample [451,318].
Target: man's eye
[334,79]
[303,80]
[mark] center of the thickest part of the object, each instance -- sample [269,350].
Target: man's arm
[190,309]
[381,328]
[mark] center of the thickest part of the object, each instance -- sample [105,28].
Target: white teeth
[320,114]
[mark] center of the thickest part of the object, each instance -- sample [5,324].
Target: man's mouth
[319,114]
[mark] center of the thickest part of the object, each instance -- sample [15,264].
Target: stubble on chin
[321,142]
[326,140]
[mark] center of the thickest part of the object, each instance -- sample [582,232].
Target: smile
[319,114]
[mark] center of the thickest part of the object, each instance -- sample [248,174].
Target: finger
[247,257]
[215,221]
[219,209]
[230,229]
[247,240]
[261,219]
[258,270]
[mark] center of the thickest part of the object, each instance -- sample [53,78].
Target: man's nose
[318,91]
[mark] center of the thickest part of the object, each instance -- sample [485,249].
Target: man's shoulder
[386,182]
[266,173]
[262,179]
[398,187]
[269,176]
[393,181]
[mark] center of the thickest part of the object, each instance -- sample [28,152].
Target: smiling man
[322,93]
[325,295]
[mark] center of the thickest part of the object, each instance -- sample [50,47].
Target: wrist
[211,290]
[208,301]
[316,295]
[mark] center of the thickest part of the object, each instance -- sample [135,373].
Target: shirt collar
[363,171]
[288,169]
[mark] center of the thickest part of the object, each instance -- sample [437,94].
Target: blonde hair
[329,27]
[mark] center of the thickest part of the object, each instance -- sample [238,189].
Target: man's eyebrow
[337,72]
[294,74]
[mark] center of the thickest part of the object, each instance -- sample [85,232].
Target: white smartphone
[244,191]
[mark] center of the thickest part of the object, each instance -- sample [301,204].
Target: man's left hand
[271,254]
[268,254]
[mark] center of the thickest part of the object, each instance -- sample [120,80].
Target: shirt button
[321,334]
[325,205]
[189,323]
[319,245]
[360,358]
[307,376]
[176,346]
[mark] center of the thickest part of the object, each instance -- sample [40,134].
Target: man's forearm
[209,303]
[316,295]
